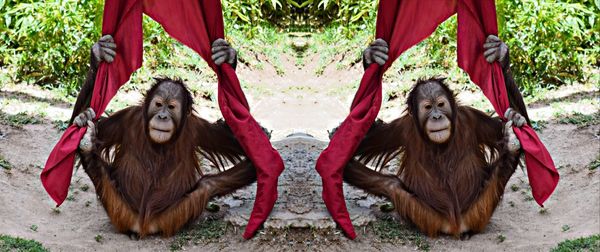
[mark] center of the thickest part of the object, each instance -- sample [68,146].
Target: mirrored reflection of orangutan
[455,161]
[144,160]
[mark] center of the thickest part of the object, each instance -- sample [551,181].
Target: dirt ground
[299,101]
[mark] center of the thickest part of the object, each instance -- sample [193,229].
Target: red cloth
[196,24]
[403,24]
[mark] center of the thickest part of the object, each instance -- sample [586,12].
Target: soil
[298,101]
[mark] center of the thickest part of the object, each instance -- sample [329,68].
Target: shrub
[552,42]
[48,42]
[590,243]
[9,243]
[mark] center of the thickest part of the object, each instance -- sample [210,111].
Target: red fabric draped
[196,24]
[403,24]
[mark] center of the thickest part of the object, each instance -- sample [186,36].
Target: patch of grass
[33,228]
[581,120]
[543,211]
[88,203]
[8,243]
[5,164]
[300,88]
[539,125]
[565,228]
[213,208]
[259,89]
[343,89]
[527,195]
[501,238]
[390,229]
[270,43]
[60,124]
[20,119]
[307,238]
[514,187]
[98,238]
[590,243]
[207,230]
[56,210]
[84,188]
[387,207]
[346,52]
[594,164]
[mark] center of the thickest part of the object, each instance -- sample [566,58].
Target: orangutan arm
[407,204]
[191,206]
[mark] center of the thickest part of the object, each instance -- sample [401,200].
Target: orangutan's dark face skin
[434,112]
[165,112]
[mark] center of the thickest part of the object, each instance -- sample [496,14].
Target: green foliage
[48,42]
[18,120]
[333,46]
[581,120]
[158,45]
[539,125]
[207,230]
[501,238]
[350,16]
[594,164]
[267,45]
[299,15]
[441,45]
[4,164]
[590,243]
[60,125]
[390,229]
[8,243]
[247,15]
[551,42]
[98,238]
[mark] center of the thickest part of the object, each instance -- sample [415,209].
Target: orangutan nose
[162,116]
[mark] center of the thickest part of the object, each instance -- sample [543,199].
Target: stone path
[300,203]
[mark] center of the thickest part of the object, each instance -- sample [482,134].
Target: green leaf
[358,16]
[294,3]
[7,20]
[242,16]
[275,3]
[324,4]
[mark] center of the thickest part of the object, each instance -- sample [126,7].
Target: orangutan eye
[158,104]
[441,104]
[428,106]
[171,107]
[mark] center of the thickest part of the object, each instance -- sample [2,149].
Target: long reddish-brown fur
[148,188]
[451,188]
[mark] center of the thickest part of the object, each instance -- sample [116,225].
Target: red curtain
[403,24]
[196,24]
